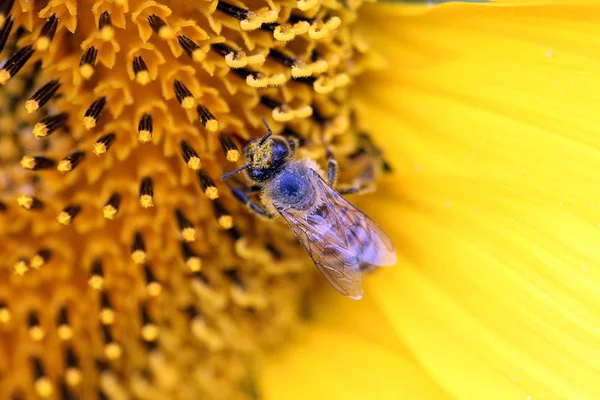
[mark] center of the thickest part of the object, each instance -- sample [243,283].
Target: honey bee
[340,239]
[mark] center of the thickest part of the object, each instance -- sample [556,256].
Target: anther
[107,312]
[146,192]
[64,330]
[49,124]
[37,163]
[41,383]
[73,374]
[191,48]
[65,391]
[190,156]
[47,34]
[103,144]
[36,333]
[192,260]
[160,27]
[92,114]
[69,163]
[112,350]
[140,70]
[222,49]
[231,151]
[274,252]
[111,208]
[145,128]
[40,258]
[41,97]
[66,216]
[224,218]
[138,249]
[149,328]
[3,207]
[183,94]
[20,267]
[88,62]
[5,31]
[305,5]
[153,287]
[29,202]
[207,118]
[270,102]
[235,278]
[186,228]
[96,279]
[233,11]
[5,314]
[207,185]
[107,31]
[15,63]
[5,7]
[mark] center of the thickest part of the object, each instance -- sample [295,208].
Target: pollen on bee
[138,249]
[40,258]
[36,333]
[190,156]
[96,279]
[146,192]
[111,208]
[69,163]
[92,115]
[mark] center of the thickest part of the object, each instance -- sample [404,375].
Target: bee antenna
[232,173]
[269,132]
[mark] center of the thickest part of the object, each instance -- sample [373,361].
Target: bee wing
[359,233]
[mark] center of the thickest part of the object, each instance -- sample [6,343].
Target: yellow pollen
[112,351]
[283,115]
[154,289]
[226,221]
[212,125]
[212,192]
[64,166]
[5,316]
[277,80]
[37,261]
[194,163]
[305,5]
[188,103]
[64,218]
[109,212]
[251,23]
[188,234]
[233,155]
[236,60]
[194,264]
[20,268]
[319,67]
[89,122]
[107,33]
[142,77]
[28,162]
[99,149]
[73,377]
[166,33]
[302,71]
[43,387]
[96,282]
[284,33]
[150,332]
[25,201]
[144,136]
[64,332]
[146,201]
[257,82]
[318,30]
[40,130]
[138,257]
[36,333]
[86,71]
[107,316]
[4,76]
[31,106]
[198,55]
[42,44]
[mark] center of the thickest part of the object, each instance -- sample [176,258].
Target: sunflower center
[127,267]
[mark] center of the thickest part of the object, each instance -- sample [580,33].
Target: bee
[340,239]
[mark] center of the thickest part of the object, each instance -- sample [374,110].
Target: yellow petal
[489,115]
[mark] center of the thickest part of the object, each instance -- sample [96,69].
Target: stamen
[36,333]
[29,202]
[37,163]
[96,280]
[41,383]
[146,192]
[69,163]
[5,31]
[149,328]
[192,260]
[88,62]
[5,7]
[160,27]
[138,249]
[40,258]
[103,144]
[145,128]
[274,252]
[107,312]
[66,216]
[186,228]
[47,34]
[207,185]
[41,97]
[15,63]
[73,374]
[107,31]
[92,115]
[20,267]
[233,11]
[140,70]
[49,124]
[270,102]
[3,207]
[224,218]
[235,278]
[65,391]
[111,208]
[183,94]
[190,156]
[5,314]
[207,118]
[231,151]
[153,287]
[191,48]
[222,49]
[64,330]
[112,350]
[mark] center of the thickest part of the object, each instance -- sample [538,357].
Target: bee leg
[243,198]
[332,165]
[252,189]
[363,188]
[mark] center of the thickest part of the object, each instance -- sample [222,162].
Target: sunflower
[489,112]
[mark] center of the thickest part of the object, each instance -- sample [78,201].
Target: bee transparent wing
[337,264]
[360,234]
